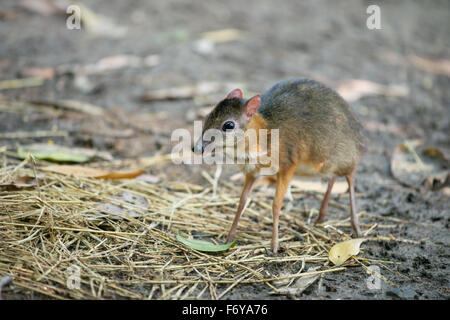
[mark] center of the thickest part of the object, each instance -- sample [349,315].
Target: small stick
[33,134]
[21,83]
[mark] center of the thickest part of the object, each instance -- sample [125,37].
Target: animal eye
[229,125]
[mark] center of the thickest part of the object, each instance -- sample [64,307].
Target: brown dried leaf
[44,7]
[93,172]
[58,153]
[188,92]
[122,175]
[301,284]
[117,212]
[414,164]
[43,73]
[149,178]
[432,66]
[25,182]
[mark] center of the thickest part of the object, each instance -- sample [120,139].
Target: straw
[62,226]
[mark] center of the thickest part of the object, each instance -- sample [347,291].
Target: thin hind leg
[353,217]
[326,198]
[283,179]
[248,183]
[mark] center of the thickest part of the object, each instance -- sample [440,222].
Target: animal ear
[252,105]
[236,93]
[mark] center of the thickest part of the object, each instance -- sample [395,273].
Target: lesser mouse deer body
[318,135]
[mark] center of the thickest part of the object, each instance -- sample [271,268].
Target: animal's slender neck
[258,124]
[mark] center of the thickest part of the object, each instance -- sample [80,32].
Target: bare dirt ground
[324,40]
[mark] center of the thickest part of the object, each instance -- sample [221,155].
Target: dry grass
[64,222]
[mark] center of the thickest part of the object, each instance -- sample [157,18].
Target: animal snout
[199,147]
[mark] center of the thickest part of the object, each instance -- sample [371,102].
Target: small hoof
[271,253]
[230,238]
[318,221]
[357,234]
[320,218]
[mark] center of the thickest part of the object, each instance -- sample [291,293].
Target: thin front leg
[353,216]
[283,179]
[248,183]
[326,198]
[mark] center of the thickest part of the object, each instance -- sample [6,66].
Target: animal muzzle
[199,146]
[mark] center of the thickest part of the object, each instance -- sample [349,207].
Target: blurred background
[137,70]
[127,50]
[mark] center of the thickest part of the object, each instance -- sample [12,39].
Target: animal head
[229,118]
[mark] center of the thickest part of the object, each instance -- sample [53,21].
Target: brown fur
[317,127]
[319,135]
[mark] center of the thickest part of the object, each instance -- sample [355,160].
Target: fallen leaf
[122,175]
[342,251]
[188,92]
[300,285]
[109,63]
[74,105]
[436,66]
[414,164]
[47,150]
[438,181]
[44,7]
[76,171]
[100,25]
[148,178]
[43,73]
[21,83]
[224,35]
[205,246]
[25,182]
[87,172]
[53,154]
[433,152]
[433,66]
[117,212]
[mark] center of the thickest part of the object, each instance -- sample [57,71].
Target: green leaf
[53,155]
[206,246]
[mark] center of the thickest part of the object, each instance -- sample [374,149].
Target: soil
[325,40]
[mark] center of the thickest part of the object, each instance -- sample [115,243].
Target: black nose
[193,149]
